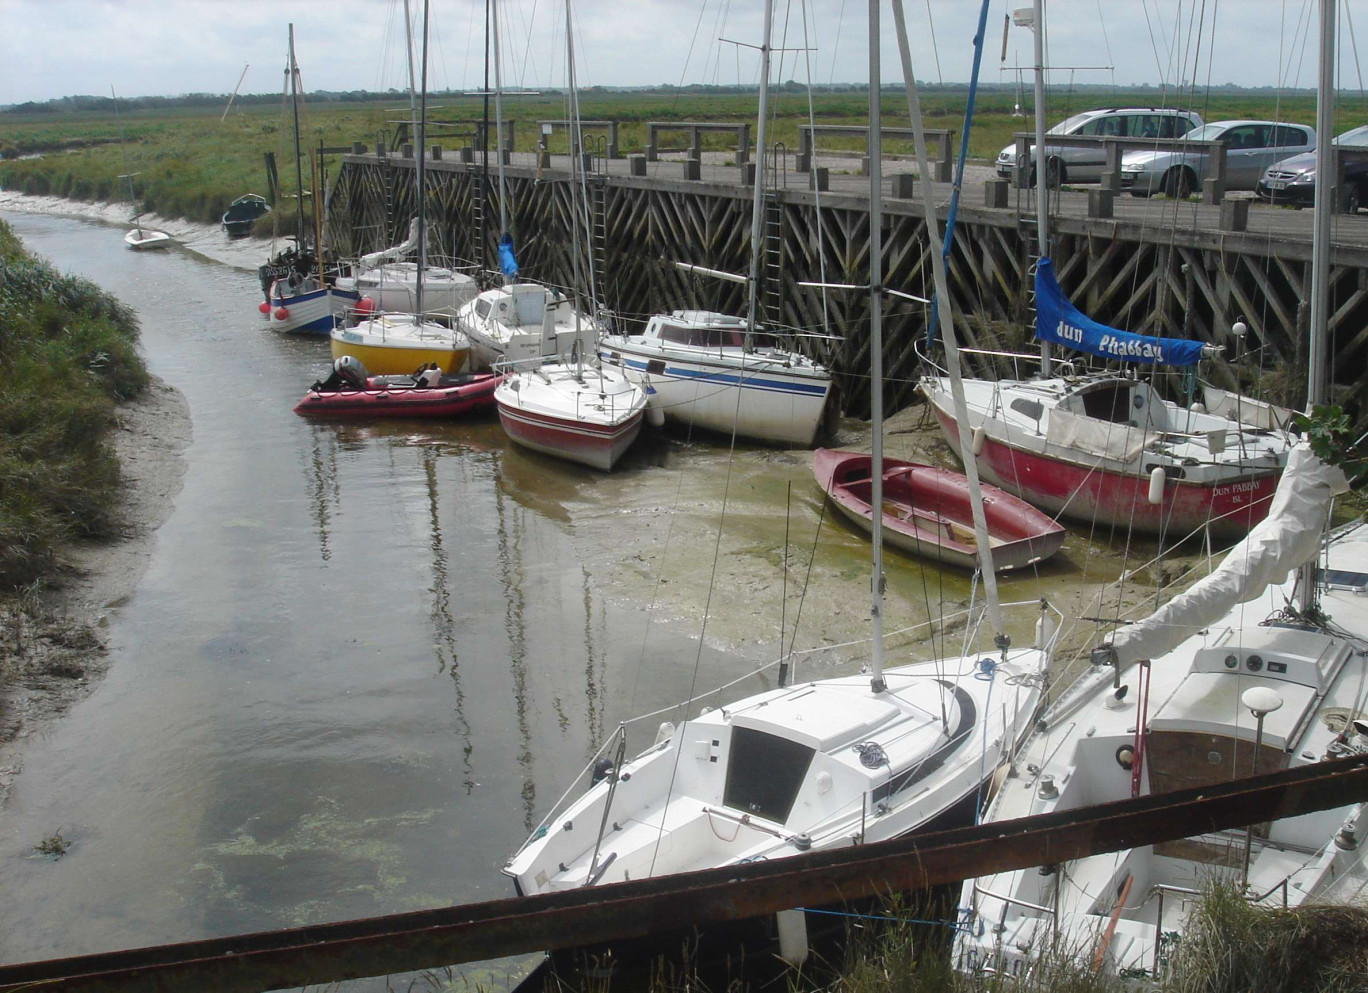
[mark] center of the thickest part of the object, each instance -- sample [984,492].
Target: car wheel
[1178,182]
[1054,174]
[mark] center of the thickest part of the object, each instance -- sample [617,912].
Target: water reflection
[511,579]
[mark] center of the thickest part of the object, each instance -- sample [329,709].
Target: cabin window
[482,308]
[764,773]
[704,337]
[1344,579]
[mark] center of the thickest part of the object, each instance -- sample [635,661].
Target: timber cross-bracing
[1153,266]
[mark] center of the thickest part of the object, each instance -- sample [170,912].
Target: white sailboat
[389,282]
[397,343]
[723,373]
[139,238]
[567,404]
[1251,672]
[1105,447]
[300,297]
[809,767]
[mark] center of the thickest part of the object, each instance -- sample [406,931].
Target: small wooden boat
[399,396]
[242,214]
[926,511]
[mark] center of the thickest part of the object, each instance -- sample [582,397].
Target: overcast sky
[53,48]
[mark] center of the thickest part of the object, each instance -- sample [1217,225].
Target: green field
[191,163]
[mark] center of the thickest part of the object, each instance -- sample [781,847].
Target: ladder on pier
[772,256]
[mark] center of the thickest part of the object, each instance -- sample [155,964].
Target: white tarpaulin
[1108,439]
[1287,538]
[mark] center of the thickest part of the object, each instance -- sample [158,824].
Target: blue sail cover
[1059,321]
[507,263]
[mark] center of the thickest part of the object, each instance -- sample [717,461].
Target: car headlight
[1304,178]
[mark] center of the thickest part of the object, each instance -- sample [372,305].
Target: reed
[69,354]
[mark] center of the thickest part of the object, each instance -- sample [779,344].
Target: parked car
[1293,180]
[1250,148]
[1085,165]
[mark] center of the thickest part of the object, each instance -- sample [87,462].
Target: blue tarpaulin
[507,263]
[1060,322]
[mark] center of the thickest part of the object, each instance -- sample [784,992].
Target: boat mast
[1307,587]
[123,153]
[498,122]
[293,71]
[422,189]
[757,207]
[408,46]
[1041,167]
[949,340]
[577,179]
[874,149]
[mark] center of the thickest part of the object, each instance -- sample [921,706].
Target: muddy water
[365,660]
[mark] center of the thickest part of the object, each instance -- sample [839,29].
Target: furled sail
[1060,322]
[1287,538]
[395,253]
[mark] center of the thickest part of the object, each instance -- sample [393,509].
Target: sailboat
[139,238]
[398,343]
[388,282]
[1247,672]
[812,766]
[517,324]
[724,373]
[300,296]
[1106,447]
[568,405]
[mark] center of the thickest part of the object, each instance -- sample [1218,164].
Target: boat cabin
[706,329]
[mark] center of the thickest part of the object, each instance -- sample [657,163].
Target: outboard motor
[351,370]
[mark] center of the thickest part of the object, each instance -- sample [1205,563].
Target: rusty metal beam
[432,938]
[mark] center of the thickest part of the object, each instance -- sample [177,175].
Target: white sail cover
[395,253]
[1287,538]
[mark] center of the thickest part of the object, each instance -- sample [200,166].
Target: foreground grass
[69,353]
[191,162]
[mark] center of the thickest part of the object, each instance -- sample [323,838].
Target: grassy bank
[191,162]
[69,352]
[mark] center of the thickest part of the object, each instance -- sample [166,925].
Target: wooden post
[819,179]
[1111,173]
[692,168]
[1213,185]
[636,165]
[995,193]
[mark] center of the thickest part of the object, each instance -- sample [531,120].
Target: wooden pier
[1178,268]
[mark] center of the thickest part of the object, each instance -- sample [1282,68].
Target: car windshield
[1067,125]
[1357,137]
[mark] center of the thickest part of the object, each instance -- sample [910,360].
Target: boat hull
[752,397]
[466,395]
[141,241]
[312,312]
[395,359]
[598,446]
[1225,508]
[927,512]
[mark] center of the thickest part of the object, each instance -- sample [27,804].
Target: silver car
[1067,164]
[1250,148]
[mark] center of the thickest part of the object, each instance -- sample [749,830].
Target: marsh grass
[69,353]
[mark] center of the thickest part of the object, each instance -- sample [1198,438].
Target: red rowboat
[453,397]
[926,511]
